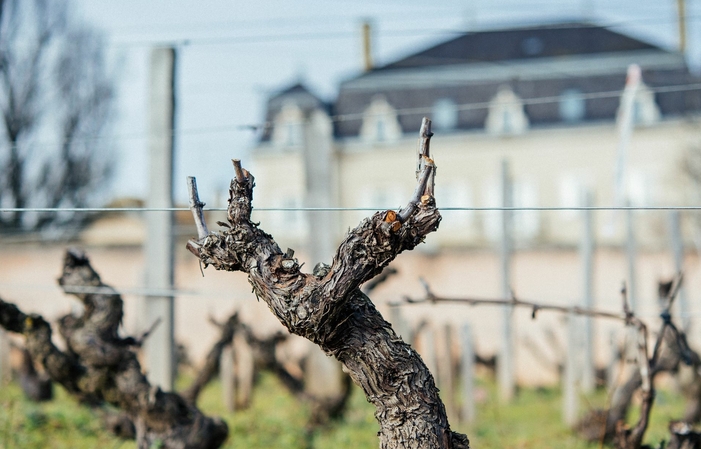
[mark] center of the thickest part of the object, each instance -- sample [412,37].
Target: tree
[56,96]
[328,308]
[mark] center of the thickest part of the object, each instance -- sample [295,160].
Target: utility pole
[159,347]
[681,11]
[505,362]
[367,45]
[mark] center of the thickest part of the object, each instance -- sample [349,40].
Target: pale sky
[232,54]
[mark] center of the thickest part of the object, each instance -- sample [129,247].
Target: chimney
[367,45]
[681,11]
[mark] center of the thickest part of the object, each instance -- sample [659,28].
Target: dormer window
[506,113]
[380,123]
[445,114]
[380,134]
[532,46]
[572,106]
[288,128]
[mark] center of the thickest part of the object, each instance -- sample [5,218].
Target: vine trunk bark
[328,308]
[99,366]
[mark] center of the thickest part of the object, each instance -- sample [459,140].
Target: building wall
[550,276]
[550,168]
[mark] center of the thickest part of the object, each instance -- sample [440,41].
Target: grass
[276,420]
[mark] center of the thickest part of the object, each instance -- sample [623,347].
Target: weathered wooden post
[631,253]
[613,372]
[245,371]
[588,383]
[160,347]
[399,323]
[228,380]
[467,374]
[445,370]
[505,361]
[323,374]
[5,372]
[681,305]
[570,398]
[426,346]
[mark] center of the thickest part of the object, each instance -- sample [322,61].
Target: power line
[345,209]
[486,105]
[326,35]
[361,115]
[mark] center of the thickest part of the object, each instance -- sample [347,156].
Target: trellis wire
[342,209]
[135,291]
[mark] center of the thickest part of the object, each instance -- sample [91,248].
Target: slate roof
[535,62]
[564,39]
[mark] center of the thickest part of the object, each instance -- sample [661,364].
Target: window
[506,114]
[387,197]
[572,106]
[294,134]
[445,114]
[288,128]
[525,224]
[570,195]
[532,46]
[641,188]
[380,123]
[455,194]
[380,134]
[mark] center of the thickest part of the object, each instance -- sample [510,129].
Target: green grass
[61,423]
[276,420]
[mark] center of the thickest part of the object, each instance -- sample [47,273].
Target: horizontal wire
[135,291]
[360,115]
[342,209]
[381,18]
[487,104]
[324,35]
[153,292]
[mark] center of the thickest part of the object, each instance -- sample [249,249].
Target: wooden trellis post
[681,306]
[160,346]
[467,374]
[588,383]
[228,380]
[505,361]
[445,370]
[570,398]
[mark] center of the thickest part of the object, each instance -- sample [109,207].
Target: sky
[231,55]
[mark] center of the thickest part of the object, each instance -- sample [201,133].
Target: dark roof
[298,94]
[523,43]
[534,62]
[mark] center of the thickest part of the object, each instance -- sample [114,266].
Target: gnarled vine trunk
[328,307]
[100,366]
